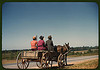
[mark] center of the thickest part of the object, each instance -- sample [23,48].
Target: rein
[66,47]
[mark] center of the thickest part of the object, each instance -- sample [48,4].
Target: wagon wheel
[65,60]
[49,58]
[22,63]
[38,63]
[44,60]
[61,60]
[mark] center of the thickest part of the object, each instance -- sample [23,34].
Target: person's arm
[36,44]
[43,44]
[46,43]
[46,46]
[52,43]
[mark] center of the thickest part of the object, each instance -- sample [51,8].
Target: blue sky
[73,22]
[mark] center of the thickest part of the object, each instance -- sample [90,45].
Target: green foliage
[83,48]
[89,51]
[71,53]
[78,53]
[12,54]
[9,55]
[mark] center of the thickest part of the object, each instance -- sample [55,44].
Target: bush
[89,51]
[10,55]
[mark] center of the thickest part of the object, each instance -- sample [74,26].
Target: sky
[73,22]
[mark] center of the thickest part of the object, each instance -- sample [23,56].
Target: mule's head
[63,48]
[67,46]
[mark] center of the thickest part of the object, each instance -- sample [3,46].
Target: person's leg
[32,49]
[66,58]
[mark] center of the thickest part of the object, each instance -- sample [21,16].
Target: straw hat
[49,36]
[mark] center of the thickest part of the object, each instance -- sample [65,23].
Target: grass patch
[8,61]
[81,55]
[92,64]
[87,54]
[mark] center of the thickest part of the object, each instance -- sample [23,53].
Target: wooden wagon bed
[43,58]
[31,54]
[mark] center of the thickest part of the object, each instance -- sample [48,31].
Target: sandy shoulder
[78,62]
[74,62]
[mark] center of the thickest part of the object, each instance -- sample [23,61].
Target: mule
[62,49]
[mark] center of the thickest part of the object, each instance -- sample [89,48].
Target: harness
[66,47]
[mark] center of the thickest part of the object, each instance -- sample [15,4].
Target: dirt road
[73,60]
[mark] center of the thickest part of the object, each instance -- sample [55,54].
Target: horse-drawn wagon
[43,58]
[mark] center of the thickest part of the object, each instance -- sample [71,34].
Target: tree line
[83,48]
[72,48]
[12,54]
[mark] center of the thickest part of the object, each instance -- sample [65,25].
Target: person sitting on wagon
[34,44]
[49,43]
[41,43]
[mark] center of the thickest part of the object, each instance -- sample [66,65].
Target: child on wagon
[41,43]
[34,44]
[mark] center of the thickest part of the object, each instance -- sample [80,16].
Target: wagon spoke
[61,60]
[26,65]
[21,66]
[22,63]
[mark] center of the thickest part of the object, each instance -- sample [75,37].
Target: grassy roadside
[8,61]
[89,54]
[91,64]
[88,64]
[5,61]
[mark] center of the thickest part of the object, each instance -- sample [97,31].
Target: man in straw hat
[49,43]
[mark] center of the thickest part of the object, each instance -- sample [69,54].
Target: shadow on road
[56,67]
[69,64]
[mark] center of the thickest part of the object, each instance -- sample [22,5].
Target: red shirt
[40,45]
